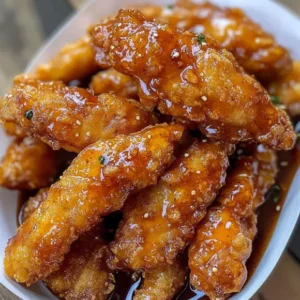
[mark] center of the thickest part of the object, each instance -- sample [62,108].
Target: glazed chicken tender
[160,221]
[187,75]
[112,81]
[27,165]
[97,183]
[224,238]
[71,117]
[164,282]
[74,61]
[254,49]
[13,129]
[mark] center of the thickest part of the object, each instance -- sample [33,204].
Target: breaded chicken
[74,61]
[97,183]
[223,243]
[84,273]
[71,117]
[164,282]
[160,221]
[112,81]
[27,165]
[13,129]
[190,76]
[254,49]
[287,89]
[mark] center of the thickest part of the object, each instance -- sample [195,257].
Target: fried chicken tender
[254,49]
[164,282]
[224,238]
[27,165]
[112,81]
[70,117]
[185,76]
[160,221]
[83,273]
[74,61]
[287,89]
[13,129]
[97,183]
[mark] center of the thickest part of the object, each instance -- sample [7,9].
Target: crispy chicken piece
[112,81]
[27,165]
[254,49]
[224,238]
[71,117]
[160,221]
[287,89]
[13,129]
[74,61]
[97,183]
[188,76]
[164,282]
[84,273]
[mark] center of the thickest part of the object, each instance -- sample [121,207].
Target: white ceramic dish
[274,18]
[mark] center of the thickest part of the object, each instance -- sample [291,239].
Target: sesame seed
[139,55]
[193,192]
[201,74]
[204,98]
[112,47]
[214,269]
[284,163]
[77,134]
[204,141]
[149,136]
[60,177]
[88,134]
[78,122]
[129,156]
[146,215]
[186,155]
[198,172]
[278,207]
[175,54]
[155,34]
[119,24]
[204,44]
[240,151]
[138,117]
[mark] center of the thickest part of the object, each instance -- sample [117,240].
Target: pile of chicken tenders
[177,129]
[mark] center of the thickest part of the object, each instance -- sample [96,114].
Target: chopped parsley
[170,6]
[274,193]
[201,39]
[28,114]
[275,100]
[102,160]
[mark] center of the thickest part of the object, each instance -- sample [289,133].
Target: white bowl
[274,18]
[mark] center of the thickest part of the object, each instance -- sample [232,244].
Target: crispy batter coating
[224,238]
[112,81]
[287,89]
[160,221]
[33,203]
[254,49]
[27,165]
[84,273]
[74,61]
[97,183]
[164,282]
[71,117]
[192,78]
[13,129]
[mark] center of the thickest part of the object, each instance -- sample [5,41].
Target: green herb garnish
[274,193]
[28,114]
[275,100]
[170,6]
[102,160]
[201,39]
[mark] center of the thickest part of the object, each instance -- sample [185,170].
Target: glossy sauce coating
[73,61]
[185,76]
[71,117]
[254,49]
[13,129]
[164,282]
[159,222]
[112,81]
[224,238]
[97,183]
[287,89]
[28,164]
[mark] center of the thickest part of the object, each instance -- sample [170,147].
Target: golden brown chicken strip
[74,61]
[189,76]
[71,117]
[97,183]
[83,273]
[28,164]
[254,49]
[13,129]
[112,81]
[224,238]
[160,221]
[287,89]
[164,282]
